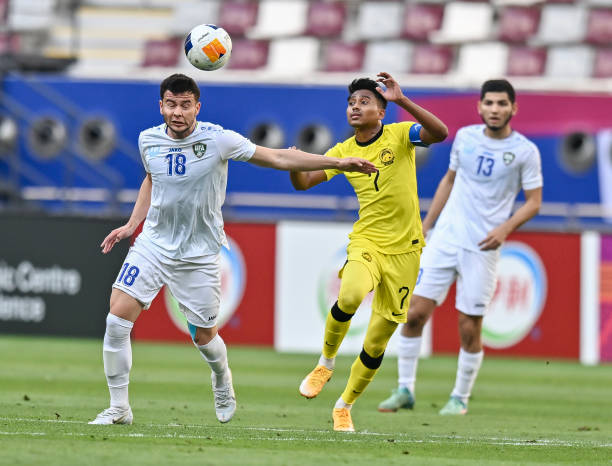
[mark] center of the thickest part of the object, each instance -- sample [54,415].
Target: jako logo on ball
[519,296]
[328,286]
[233,279]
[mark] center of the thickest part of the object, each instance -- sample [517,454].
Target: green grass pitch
[522,411]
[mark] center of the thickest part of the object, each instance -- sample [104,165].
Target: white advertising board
[308,258]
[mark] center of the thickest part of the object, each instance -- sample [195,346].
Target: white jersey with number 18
[189,180]
[490,173]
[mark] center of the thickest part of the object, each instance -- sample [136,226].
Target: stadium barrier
[53,278]
[553,297]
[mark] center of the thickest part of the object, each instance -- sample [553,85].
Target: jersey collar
[373,139]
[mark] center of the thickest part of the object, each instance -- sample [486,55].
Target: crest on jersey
[508,157]
[199,149]
[386,157]
[366,255]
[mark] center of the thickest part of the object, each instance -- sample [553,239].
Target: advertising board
[53,278]
[247,293]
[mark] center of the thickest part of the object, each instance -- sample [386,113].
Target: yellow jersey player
[386,241]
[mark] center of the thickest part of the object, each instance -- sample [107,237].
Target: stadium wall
[86,172]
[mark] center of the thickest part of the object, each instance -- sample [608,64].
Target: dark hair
[498,85]
[367,84]
[177,84]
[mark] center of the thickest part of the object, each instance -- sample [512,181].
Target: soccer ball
[208,47]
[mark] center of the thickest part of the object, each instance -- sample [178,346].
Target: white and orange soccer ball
[208,47]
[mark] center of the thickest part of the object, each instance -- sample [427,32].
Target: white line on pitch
[404,437]
[435,439]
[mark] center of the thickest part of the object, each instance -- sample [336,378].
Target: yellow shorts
[394,277]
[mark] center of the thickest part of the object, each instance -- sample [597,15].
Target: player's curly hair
[498,85]
[368,84]
[177,84]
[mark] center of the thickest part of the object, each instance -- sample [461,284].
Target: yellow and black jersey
[389,214]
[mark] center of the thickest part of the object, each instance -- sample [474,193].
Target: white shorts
[475,272]
[195,285]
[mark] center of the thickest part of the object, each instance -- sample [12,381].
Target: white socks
[328,363]
[117,356]
[407,361]
[468,366]
[342,404]
[215,354]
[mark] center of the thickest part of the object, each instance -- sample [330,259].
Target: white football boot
[225,399]
[114,416]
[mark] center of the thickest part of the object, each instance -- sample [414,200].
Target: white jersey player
[489,165]
[181,198]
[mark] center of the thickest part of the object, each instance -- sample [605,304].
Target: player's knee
[339,315]
[419,313]
[349,299]
[116,327]
[470,341]
[372,356]
[416,321]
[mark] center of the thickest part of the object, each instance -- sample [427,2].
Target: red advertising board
[247,293]
[536,308]
[605,300]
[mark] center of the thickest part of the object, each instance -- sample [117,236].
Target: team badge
[199,149]
[366,256]
[386,157]
[508,157]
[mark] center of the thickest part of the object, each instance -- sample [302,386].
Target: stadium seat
[603,63]
[4,10]
[343,56]
[164,52]
[326,19]
[379,20]
[562,24]
[115,38]
[431,59]
[29,15]
[391,56]
[293,56]
[599,28]
[238,17]
[280,18]
[574,61]
[9,43]
[482,61]
[526,61]
[420,19]
[189,13]
[457,15]
[248,54]
[518,24]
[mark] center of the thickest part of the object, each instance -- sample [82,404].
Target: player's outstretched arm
[296,160]
[495,238]
[433,129]
[302,181]
[439,200]
[138,215]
